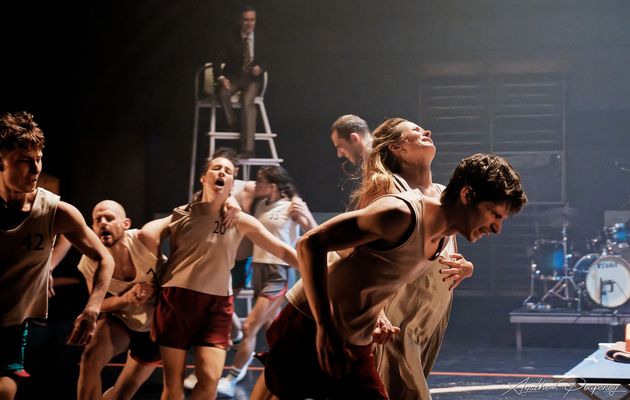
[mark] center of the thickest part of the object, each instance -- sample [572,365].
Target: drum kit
[599,279]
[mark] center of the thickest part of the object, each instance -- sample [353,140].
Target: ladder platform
[236,135]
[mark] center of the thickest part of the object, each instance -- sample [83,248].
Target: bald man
[127,312]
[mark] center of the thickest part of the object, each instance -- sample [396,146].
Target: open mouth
[105,235]
[219,182]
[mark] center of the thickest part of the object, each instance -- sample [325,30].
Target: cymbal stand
[566,287]
[532,272]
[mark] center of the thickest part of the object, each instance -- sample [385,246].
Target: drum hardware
[566,289]
[598,279]
[613,239]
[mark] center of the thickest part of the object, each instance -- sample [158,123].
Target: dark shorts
[141,347]
[270,280]
[12,344]
[186,318]
[241,273]
[292,370]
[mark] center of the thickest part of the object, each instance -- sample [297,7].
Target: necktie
[247,55]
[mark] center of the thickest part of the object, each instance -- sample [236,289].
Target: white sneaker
[190,381]
[226,387]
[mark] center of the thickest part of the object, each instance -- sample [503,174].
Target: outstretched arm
[386,219]
[260,236]
[70,223]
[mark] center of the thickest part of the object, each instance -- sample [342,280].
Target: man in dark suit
[238,67]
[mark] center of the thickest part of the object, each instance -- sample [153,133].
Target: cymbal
[559,216]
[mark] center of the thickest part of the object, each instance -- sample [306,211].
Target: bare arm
[245,197]
[260,236]
[386,219]
[138,294]
[62,246]
[70,223]
[152,232]
[299,212]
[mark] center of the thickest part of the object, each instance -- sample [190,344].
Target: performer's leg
[174,362]
[133,375]
[8,388]
[260,391]
[208,367]
[109,340]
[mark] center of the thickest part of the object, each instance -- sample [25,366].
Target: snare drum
[548,255]
[608,281]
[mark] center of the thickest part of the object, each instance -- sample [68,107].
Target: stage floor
[478,359]
[477,373]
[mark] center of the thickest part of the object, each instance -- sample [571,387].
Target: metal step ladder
[205,99]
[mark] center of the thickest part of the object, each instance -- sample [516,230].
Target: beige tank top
[202,251]
[275,218]
[137,318]
[360,284]
[25,253]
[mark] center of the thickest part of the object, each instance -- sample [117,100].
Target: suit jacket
[230,55]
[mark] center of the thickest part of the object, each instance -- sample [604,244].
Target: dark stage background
[111,84]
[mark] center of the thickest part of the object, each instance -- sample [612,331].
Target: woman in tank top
[195,305]
[421,308]
[284,214]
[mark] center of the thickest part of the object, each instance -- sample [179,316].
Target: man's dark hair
[19,130]
[491,178]
[346,124]
[247,8]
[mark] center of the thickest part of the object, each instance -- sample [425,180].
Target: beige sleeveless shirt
[360,284]
[137,318]
[202,251]
[25,253]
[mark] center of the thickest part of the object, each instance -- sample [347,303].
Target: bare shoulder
[67,218]
[390,206]
[388,216]
[152,231]
[249,187]
[246,221]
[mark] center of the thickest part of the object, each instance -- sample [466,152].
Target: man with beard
[127,312]
[352,139]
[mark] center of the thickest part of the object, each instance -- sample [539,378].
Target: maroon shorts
[293,372]
[186,318]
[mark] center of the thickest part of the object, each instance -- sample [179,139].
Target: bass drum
[608,281]
[580,270]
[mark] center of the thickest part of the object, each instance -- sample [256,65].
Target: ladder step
[236,135]
[258,161]
[245,293]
